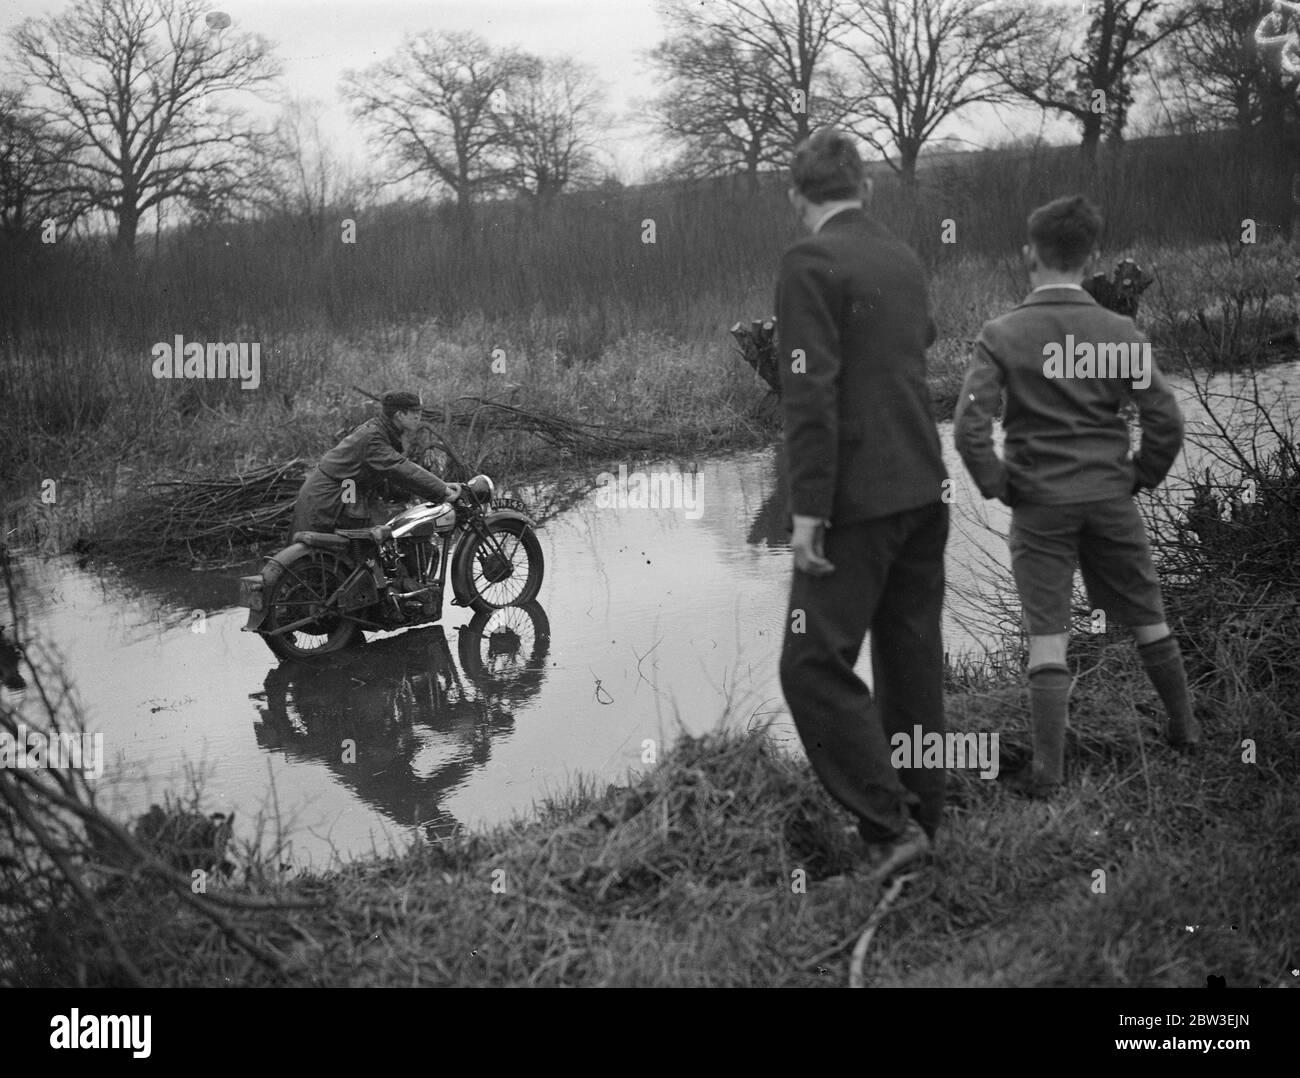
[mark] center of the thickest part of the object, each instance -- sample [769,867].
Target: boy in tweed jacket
[1068,366]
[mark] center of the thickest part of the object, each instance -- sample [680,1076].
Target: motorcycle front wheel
[301,593]
[504,568]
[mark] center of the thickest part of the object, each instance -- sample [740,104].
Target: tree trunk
[465,215]
[907,155]
[1293,221]
[128,224]
[1244,143]
[908,224]
[1092,127]
[1278,161]
[1089,163]
[751,172]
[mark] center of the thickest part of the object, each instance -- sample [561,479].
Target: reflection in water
[975,564]
[769,526]
[399,721]
[10,659]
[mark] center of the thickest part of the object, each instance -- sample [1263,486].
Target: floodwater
[650,621]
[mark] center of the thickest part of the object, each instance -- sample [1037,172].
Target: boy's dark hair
[1065,231]
[826,167]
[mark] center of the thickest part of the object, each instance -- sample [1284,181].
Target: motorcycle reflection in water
[422,724]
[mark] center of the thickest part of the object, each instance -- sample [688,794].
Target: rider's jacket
[371,456]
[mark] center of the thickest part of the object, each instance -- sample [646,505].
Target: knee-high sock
[1163,660]
[1049,700]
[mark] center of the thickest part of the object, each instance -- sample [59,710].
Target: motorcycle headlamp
[482,488]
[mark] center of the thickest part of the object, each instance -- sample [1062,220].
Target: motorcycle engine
[390,559]
[421,560]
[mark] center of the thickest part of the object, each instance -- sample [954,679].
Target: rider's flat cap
[399,402]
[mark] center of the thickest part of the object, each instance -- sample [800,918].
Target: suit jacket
[853,324]
[1066,440]
[371,456]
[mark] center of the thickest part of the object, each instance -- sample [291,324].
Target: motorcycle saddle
[380,533]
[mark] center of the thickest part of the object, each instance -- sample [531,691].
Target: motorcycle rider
[342,490]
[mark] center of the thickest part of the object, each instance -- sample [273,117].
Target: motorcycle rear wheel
[299,593]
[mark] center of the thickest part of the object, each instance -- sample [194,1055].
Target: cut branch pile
[204,513]
[480,417]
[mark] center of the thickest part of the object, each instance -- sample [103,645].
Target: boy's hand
[453,492]
[808,544]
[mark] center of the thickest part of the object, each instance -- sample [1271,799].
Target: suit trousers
[888,580]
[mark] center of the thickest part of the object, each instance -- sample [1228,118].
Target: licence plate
[250,592]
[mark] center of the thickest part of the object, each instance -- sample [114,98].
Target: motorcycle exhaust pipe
[416,593]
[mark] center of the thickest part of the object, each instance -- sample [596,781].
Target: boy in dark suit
[1068,366]
[866,478]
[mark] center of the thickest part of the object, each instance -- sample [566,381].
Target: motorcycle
[325,589]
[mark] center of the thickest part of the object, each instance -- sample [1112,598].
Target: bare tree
[550,115]
[724,106]
[36,180]
[1093,79]
[1216,75]
[1223,78]
[794,38]
[921,62]
[302,175]
[145,85]
[433,107]
[1214,68]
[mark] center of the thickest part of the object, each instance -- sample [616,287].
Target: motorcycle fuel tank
[422,521]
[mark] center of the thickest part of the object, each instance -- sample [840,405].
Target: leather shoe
[1026,784]
[881,860]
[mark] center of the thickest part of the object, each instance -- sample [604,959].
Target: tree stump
[757,344]
[1121,291]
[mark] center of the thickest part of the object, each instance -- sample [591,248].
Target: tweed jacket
[1066,439]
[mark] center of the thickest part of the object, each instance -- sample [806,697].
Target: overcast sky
[317,40]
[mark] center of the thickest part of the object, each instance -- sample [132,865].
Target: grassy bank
[691,877]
